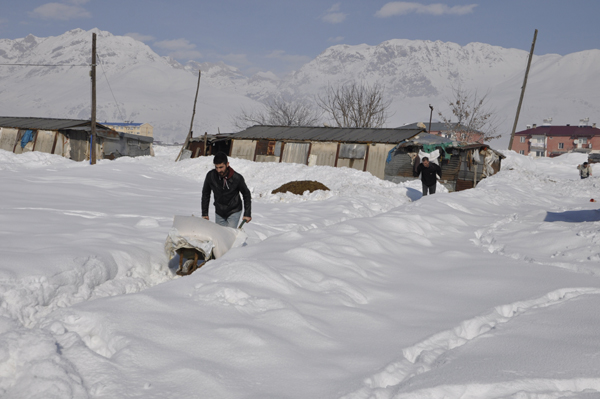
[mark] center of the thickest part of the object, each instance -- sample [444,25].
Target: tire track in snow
[539,388]
[578,238]
[421,357]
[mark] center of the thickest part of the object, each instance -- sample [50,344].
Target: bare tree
[279,112]
[355,105]
[473,120]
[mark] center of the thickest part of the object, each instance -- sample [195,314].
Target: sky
[282,35]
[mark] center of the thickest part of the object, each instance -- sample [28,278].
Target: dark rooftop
[336,134]
[547,130]
[46,123]
[436,126]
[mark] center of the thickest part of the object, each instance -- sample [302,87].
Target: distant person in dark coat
[428,171]
[226,186]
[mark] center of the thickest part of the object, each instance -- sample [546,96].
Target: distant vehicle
[594,158]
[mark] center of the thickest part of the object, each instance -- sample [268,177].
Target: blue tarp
[27,137]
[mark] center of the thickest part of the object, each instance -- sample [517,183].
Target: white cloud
[140,37]
[175,44]
[186,55]
[180,49]
[333,15]
[337,39]
[403,7]
[61,11]
[236,59]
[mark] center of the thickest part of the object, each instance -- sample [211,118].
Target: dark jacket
[428,174]
[227,194]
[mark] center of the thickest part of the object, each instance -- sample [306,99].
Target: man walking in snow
[428,171]
[585,170]
[226,186]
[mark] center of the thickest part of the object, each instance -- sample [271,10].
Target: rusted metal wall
[268,151]
[79,145]
[197,148]
[377,156]
[295,153]
[325,153]
[243,149]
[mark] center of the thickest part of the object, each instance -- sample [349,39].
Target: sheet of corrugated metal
[337,134]
[295,153]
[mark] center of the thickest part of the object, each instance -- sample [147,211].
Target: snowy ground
[366,291]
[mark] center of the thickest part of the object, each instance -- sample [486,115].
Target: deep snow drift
[365,291]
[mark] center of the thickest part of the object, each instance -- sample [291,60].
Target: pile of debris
[300,186]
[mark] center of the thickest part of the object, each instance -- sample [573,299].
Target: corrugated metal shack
[364,149]
[69,138]
[208,144]
[463,164]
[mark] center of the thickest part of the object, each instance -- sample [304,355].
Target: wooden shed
[364,149]
[69,138]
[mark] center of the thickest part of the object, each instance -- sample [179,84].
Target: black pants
[426,188]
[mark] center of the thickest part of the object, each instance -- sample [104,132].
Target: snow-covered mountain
[415,73]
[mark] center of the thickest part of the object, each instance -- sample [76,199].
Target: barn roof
[47,123]
[336,134]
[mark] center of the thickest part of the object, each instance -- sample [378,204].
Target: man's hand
[205,217]
[247,219]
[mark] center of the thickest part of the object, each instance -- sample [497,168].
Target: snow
[365,291]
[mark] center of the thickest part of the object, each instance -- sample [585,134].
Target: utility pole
[93,75]
[430,115]
[514,129]
[189,136]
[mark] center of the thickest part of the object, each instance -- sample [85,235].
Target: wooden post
[35,140]
[430,115]
[512,135]
[189,136]
[205,141]
[54,143]
[93,75]
[366,158]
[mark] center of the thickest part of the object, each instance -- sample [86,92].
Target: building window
[522,152]
[561,146]
[522,139]
[539,153]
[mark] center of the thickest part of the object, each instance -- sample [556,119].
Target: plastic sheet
[203,235]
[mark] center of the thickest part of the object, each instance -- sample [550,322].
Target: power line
[49,65]
[110,88]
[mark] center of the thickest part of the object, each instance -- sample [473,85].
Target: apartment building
[550,141]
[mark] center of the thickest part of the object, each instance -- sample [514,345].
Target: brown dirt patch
[300,186]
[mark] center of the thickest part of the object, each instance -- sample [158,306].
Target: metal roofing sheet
[122,124]
[45,123]
[560,131]
[336,134]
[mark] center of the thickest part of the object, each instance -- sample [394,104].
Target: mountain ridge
[135,83]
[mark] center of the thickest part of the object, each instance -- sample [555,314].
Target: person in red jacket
[428,171]
[226,186]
